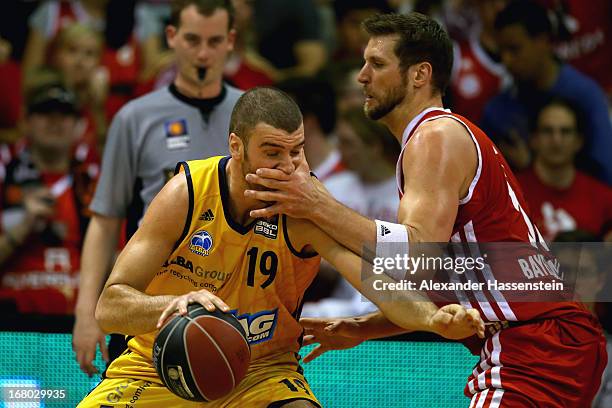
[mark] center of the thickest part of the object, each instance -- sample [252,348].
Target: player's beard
[393,97]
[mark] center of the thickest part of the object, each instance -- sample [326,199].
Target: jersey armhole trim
[177,170]
[474,181]
[288,241]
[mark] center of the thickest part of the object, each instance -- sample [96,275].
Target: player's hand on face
[86,335]
[455,322]
[179,304]
[295,194]
[330,334]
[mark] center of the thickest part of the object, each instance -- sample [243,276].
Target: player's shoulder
[300,234]
[447,130]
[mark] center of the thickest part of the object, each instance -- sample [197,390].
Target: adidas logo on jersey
[207,215]
[384,230]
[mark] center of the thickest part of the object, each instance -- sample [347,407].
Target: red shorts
[552,363]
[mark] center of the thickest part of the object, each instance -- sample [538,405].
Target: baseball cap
[52,99]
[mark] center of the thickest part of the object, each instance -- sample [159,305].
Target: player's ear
[421,73]
[236,147]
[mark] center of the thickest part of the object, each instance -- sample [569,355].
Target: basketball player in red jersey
[455,186]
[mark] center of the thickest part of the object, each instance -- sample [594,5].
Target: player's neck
[559,178]
[192,90]
[399,118]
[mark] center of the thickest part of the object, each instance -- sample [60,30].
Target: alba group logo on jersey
[201,243]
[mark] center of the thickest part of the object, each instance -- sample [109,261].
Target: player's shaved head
[264,105]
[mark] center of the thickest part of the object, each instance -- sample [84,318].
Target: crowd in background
[533,74]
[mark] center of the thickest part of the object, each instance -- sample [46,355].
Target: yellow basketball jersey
[253,268]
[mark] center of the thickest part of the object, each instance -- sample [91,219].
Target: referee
[187,120]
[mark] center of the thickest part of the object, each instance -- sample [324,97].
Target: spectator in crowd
[584,36]
[239,69]
[371,151]
[131,53]
[459,17]
[46,188]
[524,39]
[561,197]
[11,99]
[478,74]
[351,38]
[76,54]
[288,38]
[185,121]
[150,20]
[50,17]
[349,90]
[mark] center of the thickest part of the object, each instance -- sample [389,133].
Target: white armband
[392,242]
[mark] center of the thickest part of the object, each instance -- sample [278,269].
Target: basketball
[203,355]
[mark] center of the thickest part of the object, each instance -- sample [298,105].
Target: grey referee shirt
[147,138]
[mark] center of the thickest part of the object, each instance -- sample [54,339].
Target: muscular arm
[406,311]
[417,313]
[123,306]
[439,164]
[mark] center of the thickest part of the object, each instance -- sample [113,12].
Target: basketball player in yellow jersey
[198,229]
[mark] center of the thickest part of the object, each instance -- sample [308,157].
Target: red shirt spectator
[560,197]
[477,78]
[586,204]
[478,74]
[45,192]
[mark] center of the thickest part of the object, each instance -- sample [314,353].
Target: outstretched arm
[124,307]
[408,311]
[343,333]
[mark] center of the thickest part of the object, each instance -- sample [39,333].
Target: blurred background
[534,74]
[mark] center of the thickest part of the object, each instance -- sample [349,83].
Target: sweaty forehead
[264,135]
[381,46]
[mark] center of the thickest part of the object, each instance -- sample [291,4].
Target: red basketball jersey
[494,210]
[476,79]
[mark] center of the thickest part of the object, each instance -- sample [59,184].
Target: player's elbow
[104,310]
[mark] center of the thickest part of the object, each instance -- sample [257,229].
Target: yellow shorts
[131,381]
